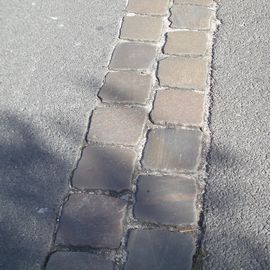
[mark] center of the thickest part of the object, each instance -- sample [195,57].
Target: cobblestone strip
[134,201]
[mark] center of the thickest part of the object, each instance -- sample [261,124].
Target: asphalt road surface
[238,188]
[53,60]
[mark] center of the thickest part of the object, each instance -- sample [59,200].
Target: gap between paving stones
[119,255]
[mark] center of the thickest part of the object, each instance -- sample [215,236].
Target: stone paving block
[156,7]
[142,28]
[191,17]
[105,167]
[126,87]
[186,42]
[178,107]
[91,220]
[172,150]
[77,260]
[119,125]
[195,2]
[166,200]
[159,250]
[132,55]
[177,71]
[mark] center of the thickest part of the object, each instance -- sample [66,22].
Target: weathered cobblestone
[176,71]
[141,28]
[126,87]
[186,42]
[191,17]
[132,55]
[119,125]
[156,7]
[77,260]
[178,107]
[159,250]
[172,150]
[105,167]
[166,200]
[91,220]
[196,2]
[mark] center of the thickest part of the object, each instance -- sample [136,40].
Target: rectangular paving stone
[178,107]
[159,250]
[119,125]
[195,2]
[172,150]
[191,17]
[126,87]
[156,7]
[77,260]
[182,72]
[132,55]
[166,200]
[186,42]
[105,167]
[141,28]
[91,220]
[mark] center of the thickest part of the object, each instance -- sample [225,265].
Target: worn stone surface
[196,2]
[157,7]
[191,17]
[132,55]
[141,28]
[172,150]
[105,167]
[178,107]
[126,87]
[77,260]
[186,42]
[166,200]
[91,220]
[159,250]
[119,125]
[177,71]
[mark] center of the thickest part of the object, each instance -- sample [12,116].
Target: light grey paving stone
[77,261]
[191,17]
[126,87]
[196,2]
[172,150]
[141,28]
[156,7]
[132,55]
[91,220]
[119,125]
[159,250]
[166,200]
[105,167]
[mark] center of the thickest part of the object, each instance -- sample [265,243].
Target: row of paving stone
[95,215]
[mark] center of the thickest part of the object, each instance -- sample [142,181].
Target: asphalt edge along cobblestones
[119,256]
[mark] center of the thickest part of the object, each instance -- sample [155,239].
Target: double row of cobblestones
[133,202]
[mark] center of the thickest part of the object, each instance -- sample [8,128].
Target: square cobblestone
[166,200]
[191,17]
[141,28]
[195,2]
[186,42]
[159,250]
[107,168]
[77,260]
[126,87]
[177,71]
[91,220]
[172,150]
[119,125]
[178,107]
[156,7]
[132,55]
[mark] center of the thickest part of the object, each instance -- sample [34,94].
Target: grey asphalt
[53,60]
[238,187]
